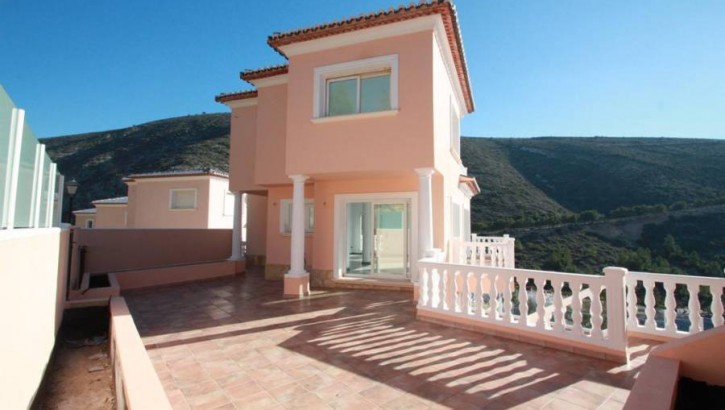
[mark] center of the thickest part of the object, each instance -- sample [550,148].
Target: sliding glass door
[378,238]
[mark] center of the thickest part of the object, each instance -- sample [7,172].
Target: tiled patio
[236,343]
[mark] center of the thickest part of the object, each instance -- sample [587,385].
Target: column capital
[298,177]
[424,172]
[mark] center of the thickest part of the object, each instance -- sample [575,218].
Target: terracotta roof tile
[240,95]
[250,75]
[425,8]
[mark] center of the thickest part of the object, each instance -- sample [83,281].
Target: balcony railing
[494,251]
[479,286]
[564,306]
[673,306]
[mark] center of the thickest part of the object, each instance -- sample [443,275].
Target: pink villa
[345,172]
[193,199]
[351,150]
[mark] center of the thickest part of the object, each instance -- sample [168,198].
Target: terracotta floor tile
[238,341]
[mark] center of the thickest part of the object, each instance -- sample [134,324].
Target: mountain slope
[99,160]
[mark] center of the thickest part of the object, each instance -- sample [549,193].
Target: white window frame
[387,63]
[171,199]
[285,210]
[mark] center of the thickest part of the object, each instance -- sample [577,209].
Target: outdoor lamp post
[71,187]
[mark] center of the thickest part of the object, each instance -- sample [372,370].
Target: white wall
[32,293]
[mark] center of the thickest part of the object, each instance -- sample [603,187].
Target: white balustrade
[484,251]
[677,310]
[487,294]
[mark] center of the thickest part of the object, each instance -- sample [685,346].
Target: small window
[285,217]
[89,223]
[358,94]
[183,198]
[229,204]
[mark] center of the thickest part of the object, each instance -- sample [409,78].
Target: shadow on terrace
[235,342]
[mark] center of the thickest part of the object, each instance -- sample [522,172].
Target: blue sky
[556,67]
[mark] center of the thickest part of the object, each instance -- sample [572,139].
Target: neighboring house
[196,199]
[353,147]
[85,218]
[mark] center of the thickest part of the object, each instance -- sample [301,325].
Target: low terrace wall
[114,250]
[137,384]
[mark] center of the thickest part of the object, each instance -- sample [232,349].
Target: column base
[240,265]
[296,286]
[416,292]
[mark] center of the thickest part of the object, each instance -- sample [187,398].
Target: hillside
[572,203]
[99,160]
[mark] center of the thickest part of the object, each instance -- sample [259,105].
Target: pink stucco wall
[110,216]
[111,250]
[243,149]
[256,225]
[271,129]
[400,142]
[82,218]
[149,204]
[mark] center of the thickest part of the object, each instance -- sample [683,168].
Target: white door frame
[340,227]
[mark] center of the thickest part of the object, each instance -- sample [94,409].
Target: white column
[237,228]
[38,194]
[297,251]
[425,212]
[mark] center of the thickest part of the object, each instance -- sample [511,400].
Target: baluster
[649,304]
[632,303]
[423,296]
[455,303]
[576,308]
[477,294]
[694,307]
[467,303]
[523,301]
[507,304]
[717,306]
[595,310]
[441,289]
[670,306]
[541,322]
[451,290]
[558,305]
[493,300]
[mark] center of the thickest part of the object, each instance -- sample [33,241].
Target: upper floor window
[182,198]
[356,87]
[358,94]
[89,223]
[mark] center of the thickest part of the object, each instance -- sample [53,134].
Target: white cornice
[270,81]
[246,102]
[362,36]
